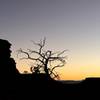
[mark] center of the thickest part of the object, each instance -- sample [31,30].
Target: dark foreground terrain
[32,87]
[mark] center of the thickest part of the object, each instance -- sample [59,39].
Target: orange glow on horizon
[68,73]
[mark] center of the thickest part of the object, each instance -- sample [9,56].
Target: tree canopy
[45,61]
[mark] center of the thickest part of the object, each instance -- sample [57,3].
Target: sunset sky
[66,24]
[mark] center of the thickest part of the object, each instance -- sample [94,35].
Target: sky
[66,24]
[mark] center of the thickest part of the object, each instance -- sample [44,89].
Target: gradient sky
[67,24]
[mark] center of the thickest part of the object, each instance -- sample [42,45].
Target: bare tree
[46,61]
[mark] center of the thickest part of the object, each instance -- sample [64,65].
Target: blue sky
[67,24]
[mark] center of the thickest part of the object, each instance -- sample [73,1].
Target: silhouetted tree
[46,61]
